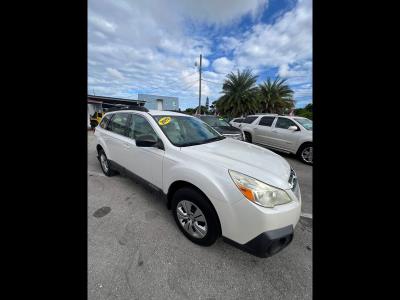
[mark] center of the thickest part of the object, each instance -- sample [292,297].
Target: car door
[115,137]
[282,137]
[263,131]
[145,162]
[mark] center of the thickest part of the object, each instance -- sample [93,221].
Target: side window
[284,123]
[249,120]
[118,123]
[266,121]
[140,126]
[104,121]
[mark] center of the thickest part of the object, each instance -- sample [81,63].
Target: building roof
[111,100]
[157,96]
[154,112]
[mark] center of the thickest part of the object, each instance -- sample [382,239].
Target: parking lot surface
[136,251]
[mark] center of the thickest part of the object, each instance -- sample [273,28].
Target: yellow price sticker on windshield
[164,121]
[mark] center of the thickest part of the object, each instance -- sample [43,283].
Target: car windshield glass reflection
[185,131]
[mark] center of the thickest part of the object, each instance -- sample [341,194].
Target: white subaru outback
[214,185]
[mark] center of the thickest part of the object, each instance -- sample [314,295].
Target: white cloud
[229,43]
[101,23]
[223,65]
[115,73]
[135,46]
[286,41]
[221,11]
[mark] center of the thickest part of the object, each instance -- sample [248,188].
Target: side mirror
[146,140]
[293,128]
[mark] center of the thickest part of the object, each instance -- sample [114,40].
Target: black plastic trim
[136,178]
[267,243]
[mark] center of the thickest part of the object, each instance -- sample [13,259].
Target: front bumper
[267,243]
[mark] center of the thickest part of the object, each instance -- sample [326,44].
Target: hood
[227,129]
[249,159]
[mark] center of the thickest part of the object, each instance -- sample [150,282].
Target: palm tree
[240,94]
[275,96]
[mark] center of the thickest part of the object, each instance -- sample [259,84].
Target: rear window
[118,123]
[266,121]
[249,120]
[104,121]
[238,120]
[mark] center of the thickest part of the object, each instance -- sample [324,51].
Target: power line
[190,75]
[189,86]
[186,84]
[219,83]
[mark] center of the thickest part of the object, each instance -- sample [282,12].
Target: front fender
[218,187]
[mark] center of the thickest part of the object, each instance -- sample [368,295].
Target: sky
[151,46]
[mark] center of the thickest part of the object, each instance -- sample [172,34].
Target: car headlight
[259,192]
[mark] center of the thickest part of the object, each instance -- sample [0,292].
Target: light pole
[199,108]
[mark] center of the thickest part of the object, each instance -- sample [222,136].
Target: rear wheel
[247,135]
[195,216]
[105,164]
[305,153]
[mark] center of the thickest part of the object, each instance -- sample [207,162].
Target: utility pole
[199,109]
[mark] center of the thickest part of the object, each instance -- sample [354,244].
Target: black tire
[109,171]
[247,135]
[213,229]
[300,155]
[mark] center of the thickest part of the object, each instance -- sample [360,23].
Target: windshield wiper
[217,138]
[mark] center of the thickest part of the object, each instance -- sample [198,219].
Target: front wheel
[195,216]
[305,153]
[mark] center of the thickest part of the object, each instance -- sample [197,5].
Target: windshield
[306,123]
[185,131]
[214,121]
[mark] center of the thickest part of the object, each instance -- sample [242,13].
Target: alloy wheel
[307,154]
[191,219]
[104,162]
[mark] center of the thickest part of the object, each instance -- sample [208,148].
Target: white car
[214,185]
[289,134]
[236,122]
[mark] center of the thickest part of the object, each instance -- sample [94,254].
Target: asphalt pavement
[135,250]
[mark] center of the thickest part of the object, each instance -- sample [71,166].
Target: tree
[240,94]
[275,96]
[192,111]
[305,112]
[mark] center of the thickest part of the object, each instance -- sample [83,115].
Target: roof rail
[265,114]
[128,107]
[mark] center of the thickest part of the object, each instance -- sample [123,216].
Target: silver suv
[289,134]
